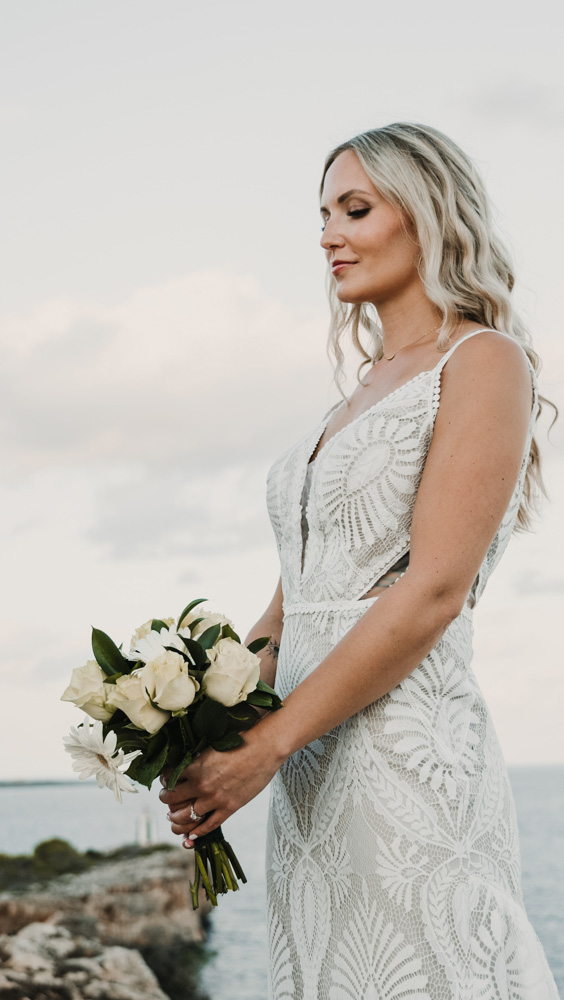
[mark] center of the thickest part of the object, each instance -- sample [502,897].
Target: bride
[393,865]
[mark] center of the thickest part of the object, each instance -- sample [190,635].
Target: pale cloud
[163,511]
[190,374]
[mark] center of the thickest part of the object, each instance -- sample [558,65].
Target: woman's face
[366,232]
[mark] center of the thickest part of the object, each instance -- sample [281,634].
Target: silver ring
[194,815]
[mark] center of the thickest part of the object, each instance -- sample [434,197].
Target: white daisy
[152,645]
[95,756]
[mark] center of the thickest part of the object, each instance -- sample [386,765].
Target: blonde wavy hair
[466,269]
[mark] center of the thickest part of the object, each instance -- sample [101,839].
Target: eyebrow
[343,197]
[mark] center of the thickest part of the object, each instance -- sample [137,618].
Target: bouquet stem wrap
[217,867]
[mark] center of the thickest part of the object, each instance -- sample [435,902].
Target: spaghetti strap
[484,329]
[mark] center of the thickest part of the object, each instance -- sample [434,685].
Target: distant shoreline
[34,783]
[42,782]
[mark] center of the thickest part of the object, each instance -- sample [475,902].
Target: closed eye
[358,213]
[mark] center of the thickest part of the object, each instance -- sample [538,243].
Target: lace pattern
[393,867]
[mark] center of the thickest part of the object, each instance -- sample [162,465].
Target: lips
[340,265]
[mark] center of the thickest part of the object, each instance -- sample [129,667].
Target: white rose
[168,681]
[130,695]
[210,618]
[89,691]
[233,674]
[141,633]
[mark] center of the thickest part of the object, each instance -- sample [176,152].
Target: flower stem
[234,861]
[203,872]
[194,888]
[217,872]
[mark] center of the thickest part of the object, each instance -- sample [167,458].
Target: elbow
[442,592]
[448,603]
[444,599]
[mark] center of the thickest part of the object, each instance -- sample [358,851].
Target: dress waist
[316,607]
[312,607]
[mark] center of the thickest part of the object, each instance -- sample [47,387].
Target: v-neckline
[321,427]
[428,371]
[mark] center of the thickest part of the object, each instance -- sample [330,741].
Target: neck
[404,322]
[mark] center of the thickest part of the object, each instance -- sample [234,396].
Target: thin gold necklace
[412,344]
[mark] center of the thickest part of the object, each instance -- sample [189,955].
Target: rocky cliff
[122,930]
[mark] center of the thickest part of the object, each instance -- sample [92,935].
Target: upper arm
[276,607]
[472,465]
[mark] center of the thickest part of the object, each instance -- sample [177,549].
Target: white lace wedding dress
[393,866]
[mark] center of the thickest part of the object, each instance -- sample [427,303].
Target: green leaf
[244,715]
[157,624]
[184,762]
[173,649]
[228,633]
[210,719]
[112,678]
[228,742]
[188,739]
[257,644]
[188,609]
[263,686]
[147,767]
[195,650]
[128,740]
[208,638]
[107,654]
[195,622]
[264,700]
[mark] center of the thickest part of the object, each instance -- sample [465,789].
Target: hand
[216,784]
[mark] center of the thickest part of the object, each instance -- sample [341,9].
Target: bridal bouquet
[184,685]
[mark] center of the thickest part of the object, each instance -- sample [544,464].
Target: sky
[163,315]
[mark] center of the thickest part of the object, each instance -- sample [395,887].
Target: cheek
[390,243]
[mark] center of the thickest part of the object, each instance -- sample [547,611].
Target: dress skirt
[393,866]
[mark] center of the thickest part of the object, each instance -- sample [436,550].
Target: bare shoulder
[488,367]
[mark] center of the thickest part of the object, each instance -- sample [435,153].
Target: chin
[350,296]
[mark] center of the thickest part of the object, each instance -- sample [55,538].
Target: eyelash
[357,214]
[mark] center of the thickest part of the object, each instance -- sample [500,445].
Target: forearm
[393,636]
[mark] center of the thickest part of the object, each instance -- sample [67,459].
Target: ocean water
[89,817]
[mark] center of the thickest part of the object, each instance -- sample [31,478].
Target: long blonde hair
[466,269]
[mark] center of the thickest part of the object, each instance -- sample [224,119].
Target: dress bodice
[364,484]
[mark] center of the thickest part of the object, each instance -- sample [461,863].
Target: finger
[181,793]
[184,829]
[209,823]
[183,814]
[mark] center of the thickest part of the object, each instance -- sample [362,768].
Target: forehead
[345,172]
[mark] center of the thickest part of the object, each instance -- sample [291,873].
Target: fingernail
[168,815]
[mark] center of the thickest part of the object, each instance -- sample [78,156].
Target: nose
[330,237]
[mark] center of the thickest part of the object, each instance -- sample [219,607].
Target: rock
[123,975]
[76,937]
[116,973]
[117,902]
